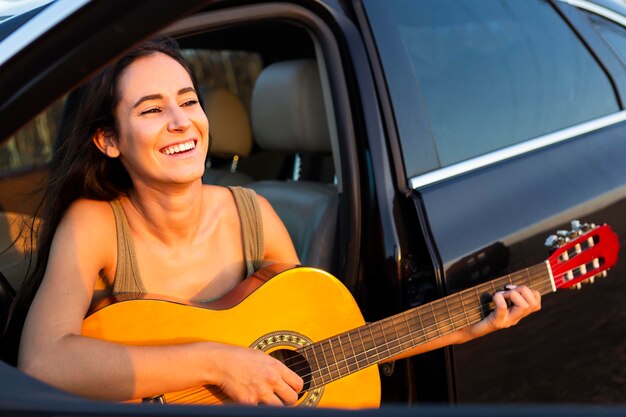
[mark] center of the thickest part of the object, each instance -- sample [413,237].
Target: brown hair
[78,169]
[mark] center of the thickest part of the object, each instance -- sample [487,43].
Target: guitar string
[383,350]
[423,329]
[425,333]
[390,322]
[428,329]
[346,366]
[442,305]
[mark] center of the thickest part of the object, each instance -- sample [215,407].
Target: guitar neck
[349,352]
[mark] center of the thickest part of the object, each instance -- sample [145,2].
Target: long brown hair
[78,169]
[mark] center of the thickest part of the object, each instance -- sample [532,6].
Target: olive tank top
[127,278]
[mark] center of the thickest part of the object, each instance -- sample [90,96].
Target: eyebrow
[160,96]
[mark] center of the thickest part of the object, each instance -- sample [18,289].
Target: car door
[509,124]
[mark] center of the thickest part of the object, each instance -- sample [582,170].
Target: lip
[164,149]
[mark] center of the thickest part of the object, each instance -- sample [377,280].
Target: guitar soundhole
[297,363]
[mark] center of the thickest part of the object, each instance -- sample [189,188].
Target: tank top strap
[251,227]
[127,278]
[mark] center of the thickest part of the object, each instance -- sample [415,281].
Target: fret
[351,361]
[343,356]
[450,315]
[316,372]
[364,350]
[374,354]
[422,328]
[385,344]
[324,368]
[542,277]
[493,287]
[337,371]
[459,315]
[436,324]
[409,330]
[464,306]
[396,338]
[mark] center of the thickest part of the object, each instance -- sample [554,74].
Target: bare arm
[278,245]
[53,350]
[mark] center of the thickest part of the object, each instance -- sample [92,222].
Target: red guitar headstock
[584,253]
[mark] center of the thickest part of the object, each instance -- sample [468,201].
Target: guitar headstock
[582,254]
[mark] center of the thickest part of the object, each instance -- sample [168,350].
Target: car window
[612,32]
[490,74]
[31,147]
[234,70]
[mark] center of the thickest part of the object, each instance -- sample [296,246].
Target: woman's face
[162,130]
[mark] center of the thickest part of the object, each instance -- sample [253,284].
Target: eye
[151,110]
[189,103]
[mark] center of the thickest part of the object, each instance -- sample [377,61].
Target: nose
[178,120]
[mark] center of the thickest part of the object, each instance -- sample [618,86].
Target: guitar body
[282,311]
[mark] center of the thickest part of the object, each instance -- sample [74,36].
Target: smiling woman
[125,198]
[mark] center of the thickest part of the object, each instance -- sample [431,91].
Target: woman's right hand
[249,376]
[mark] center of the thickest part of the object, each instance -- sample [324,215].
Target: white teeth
[181,147]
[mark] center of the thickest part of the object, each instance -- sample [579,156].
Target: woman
[126,183]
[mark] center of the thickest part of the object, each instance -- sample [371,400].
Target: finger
[287,394]
[294,380]
[517,299]
[271,399]
[532,297]
[501,309]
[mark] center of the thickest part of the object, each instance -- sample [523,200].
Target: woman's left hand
[522,301]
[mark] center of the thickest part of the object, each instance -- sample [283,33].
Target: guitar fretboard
[349,352]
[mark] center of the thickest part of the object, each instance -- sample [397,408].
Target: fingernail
[510,287]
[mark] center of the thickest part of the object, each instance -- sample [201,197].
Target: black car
[413,148]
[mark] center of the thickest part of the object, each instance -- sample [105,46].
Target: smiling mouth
[179,148]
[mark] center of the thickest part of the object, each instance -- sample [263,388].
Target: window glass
[236,71]
[31,146]
[490,73]
[614,34]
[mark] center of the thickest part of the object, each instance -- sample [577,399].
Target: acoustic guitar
[307,319]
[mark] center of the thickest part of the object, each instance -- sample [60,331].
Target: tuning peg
[551,241]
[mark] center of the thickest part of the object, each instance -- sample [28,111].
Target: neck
[172,215]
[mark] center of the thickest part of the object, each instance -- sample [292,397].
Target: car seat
[288,115]
[230,137]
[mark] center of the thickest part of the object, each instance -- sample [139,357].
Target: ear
[105,141]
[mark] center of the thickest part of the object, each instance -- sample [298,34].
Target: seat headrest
[288,112]
[229,125]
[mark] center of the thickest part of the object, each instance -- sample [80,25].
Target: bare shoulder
[215,192]
[89,226]
[93,215]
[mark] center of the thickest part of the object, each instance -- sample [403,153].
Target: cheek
[202,124]
[134,136]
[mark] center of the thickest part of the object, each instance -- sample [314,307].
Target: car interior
[262,89]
